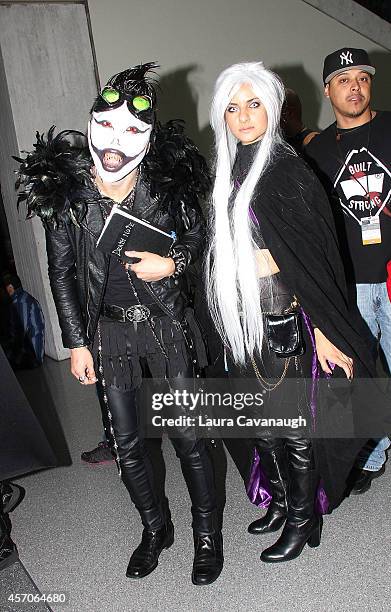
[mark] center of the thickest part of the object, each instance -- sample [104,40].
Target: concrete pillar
[48,77]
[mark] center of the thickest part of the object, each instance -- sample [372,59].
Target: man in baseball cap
[347,77]
[346,59]
[352,158]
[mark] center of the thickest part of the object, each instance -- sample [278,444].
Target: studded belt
[134,314]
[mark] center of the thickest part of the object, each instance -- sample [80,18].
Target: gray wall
[47,77]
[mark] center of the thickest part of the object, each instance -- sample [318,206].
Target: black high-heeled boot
[208,549]
[303,526]
[273,461]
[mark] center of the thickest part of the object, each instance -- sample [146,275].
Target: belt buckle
[137,313]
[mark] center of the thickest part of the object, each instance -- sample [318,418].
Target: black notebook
[126,232]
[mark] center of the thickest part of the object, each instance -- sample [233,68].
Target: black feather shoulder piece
[49,177]
[175,169]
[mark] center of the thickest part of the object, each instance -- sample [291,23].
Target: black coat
[297,225]
[78,270]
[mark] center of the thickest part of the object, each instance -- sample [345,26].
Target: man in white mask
[118,139]
[124,322]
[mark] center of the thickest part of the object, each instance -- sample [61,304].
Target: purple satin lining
[253,216]
[258,487]
[314,367]
[321,501]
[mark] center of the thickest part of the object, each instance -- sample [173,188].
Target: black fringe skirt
[127,348]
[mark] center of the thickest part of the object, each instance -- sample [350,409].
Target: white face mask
[118,142]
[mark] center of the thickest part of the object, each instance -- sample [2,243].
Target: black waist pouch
[285,334]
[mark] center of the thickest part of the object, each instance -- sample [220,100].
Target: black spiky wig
[130,83]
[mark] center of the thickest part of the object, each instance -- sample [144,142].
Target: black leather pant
[139,476]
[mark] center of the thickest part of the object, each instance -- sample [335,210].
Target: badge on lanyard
[370,230]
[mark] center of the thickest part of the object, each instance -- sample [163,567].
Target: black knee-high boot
[155,514]
[197,470]
[273,462]
[303,525]
[137,476]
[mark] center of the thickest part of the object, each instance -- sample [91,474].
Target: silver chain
[129,201]
[106,399]
[150,325]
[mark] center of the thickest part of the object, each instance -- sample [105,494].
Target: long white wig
[231,269]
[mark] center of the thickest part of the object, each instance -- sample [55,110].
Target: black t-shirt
[118,289]
[351,167]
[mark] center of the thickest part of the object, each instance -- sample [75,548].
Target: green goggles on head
[139,103]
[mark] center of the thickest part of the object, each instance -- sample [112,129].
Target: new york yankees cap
[343,60]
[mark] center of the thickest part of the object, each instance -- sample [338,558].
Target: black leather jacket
[78,271]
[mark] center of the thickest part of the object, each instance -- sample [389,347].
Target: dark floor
[76,529]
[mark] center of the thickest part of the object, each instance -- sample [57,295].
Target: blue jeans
[375,308]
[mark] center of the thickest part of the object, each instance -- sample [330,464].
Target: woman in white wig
[273,250]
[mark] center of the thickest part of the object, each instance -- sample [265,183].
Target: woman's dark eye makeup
[251,104]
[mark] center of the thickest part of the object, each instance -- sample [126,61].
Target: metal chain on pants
[106,400]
